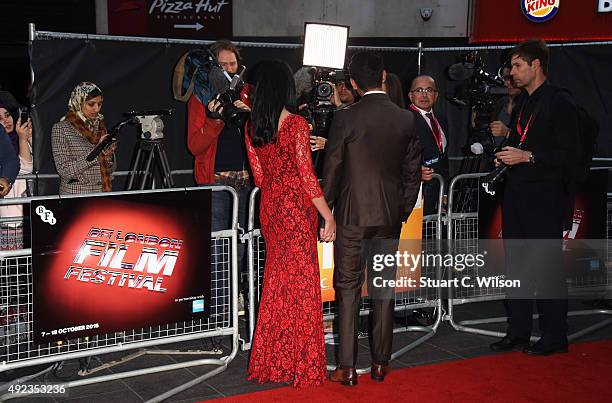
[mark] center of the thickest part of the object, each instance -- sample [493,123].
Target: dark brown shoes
[346,376]
[378,372]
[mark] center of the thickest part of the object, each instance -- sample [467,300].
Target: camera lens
[324,90]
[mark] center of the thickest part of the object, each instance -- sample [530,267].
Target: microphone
[155,112]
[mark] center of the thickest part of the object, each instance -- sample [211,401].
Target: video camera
[317,93]
[227,111]
[481,91]
[324,52]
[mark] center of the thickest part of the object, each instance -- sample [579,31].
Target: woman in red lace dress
[288,344]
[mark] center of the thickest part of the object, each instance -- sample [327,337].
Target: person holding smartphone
[19,132]
[73,138]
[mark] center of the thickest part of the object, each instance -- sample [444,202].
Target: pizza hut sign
[193,19]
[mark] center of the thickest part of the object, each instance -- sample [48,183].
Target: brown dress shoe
[378,372]
[346,376]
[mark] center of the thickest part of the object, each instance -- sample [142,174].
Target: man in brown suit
[372,178]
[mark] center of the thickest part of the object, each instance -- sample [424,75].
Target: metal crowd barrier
[463,225]
[17,349]
[407,300]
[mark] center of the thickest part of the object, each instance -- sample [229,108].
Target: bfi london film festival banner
[111,263]
[412,229]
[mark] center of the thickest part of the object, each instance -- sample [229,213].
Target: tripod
[150,153]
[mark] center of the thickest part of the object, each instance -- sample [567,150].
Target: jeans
[222,220]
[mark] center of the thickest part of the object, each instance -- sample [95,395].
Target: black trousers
[349,276]
[534,212]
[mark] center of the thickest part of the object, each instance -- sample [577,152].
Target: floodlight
[325,45]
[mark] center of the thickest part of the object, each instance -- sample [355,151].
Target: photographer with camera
[544,145]
[218,148]
[343,96]
[431,133]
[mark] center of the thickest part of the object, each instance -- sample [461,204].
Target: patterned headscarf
[77,99]
[90,129]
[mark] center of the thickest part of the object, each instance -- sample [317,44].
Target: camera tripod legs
[150,153]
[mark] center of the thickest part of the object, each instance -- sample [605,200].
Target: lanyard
[519,128]
[437,136]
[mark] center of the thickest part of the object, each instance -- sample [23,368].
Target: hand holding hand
[328,232]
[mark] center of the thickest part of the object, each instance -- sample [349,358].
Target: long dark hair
[274,89]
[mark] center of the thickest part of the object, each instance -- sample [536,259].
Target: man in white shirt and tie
[432,137]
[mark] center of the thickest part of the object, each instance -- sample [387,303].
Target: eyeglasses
[427,90]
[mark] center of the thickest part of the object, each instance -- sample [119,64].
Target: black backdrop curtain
[137,76]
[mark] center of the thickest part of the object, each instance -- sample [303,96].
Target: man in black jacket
[432,134]
[544,138]
[9,163]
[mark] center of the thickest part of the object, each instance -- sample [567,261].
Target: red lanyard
[519,128]
[437,134]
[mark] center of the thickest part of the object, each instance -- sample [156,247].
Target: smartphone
[24,114]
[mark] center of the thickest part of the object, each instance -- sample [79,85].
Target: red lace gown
[289,342]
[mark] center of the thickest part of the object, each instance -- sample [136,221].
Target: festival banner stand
[110,263]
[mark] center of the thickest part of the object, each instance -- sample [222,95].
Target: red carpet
[582,375]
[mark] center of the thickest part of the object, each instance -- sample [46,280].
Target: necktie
[435,130]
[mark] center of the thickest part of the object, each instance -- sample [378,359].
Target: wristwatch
[531,158]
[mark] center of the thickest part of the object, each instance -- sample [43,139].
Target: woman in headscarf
[74,136]
[20,135]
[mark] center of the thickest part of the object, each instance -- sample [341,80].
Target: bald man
[431,132]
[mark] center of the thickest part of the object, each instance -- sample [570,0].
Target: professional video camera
[198,73]
[481,91]
[231,114]
[315,85]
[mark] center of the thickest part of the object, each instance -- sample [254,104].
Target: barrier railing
[404,301]
[463,225]
[18,350]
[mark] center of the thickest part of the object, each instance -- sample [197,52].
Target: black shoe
[507,344]
[544,348]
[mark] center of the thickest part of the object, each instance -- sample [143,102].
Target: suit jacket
[429,148]
[77,175]
[372,170]
[9,163]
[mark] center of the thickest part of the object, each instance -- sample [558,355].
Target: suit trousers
[349,275]
[532,213]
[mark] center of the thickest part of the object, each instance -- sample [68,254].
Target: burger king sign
[539,10]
